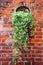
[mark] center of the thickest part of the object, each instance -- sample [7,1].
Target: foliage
[23,27]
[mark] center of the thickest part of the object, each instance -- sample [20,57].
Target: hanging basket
[23,27]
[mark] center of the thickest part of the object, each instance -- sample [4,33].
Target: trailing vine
[23,27]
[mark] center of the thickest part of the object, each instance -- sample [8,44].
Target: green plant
[23,27]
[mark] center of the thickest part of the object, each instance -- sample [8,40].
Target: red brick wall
[34,54]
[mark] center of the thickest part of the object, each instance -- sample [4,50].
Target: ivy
[23,24]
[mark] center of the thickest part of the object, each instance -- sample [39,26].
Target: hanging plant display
[23,27]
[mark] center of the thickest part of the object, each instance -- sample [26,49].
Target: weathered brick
[38,36]
[27,59]
[5,51]
[38,59]
[38,33]
[38,44]
[38,1]
[17,1]
[37,55]
[12,63]
[38,29]
[34,54]
[4,63]
[13,5]
[36,63]
[6,1]
[27,63]
[4,36]
[5,59]
[9,1]
[31,1]
[19,63]
[6,29]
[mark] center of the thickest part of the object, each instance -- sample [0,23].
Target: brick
[38,28]
[39,51]
[1,23]
[8,15]
[27,63]
[39,40]
[38,1]
[4,63]
[9,1]
[38,59]
[12,63]
[6,1]
[0,47]
[37,14]
[17,0]
[4,36]
[37,44]
[9,41]
[31,1]
[42,29]
[3,1]
[34,54]
[5,59]
[13,5]
[0,41]
[37,55]
[6,55]
[7,47]
[26,51]
[40,4]
[25,55]
[39,23]
[5,51]
[38,33]
[27,59]
[6,29]
[5,5]
[38,63]
[6,19]
[38,36]
[6,11]
[33,40]
[19,63]
[0,62]
[36,47]
[6,25]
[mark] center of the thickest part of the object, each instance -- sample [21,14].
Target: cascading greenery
[23,27]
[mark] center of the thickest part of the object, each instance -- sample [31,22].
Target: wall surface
[34,55]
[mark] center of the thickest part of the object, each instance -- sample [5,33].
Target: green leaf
[20,21]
